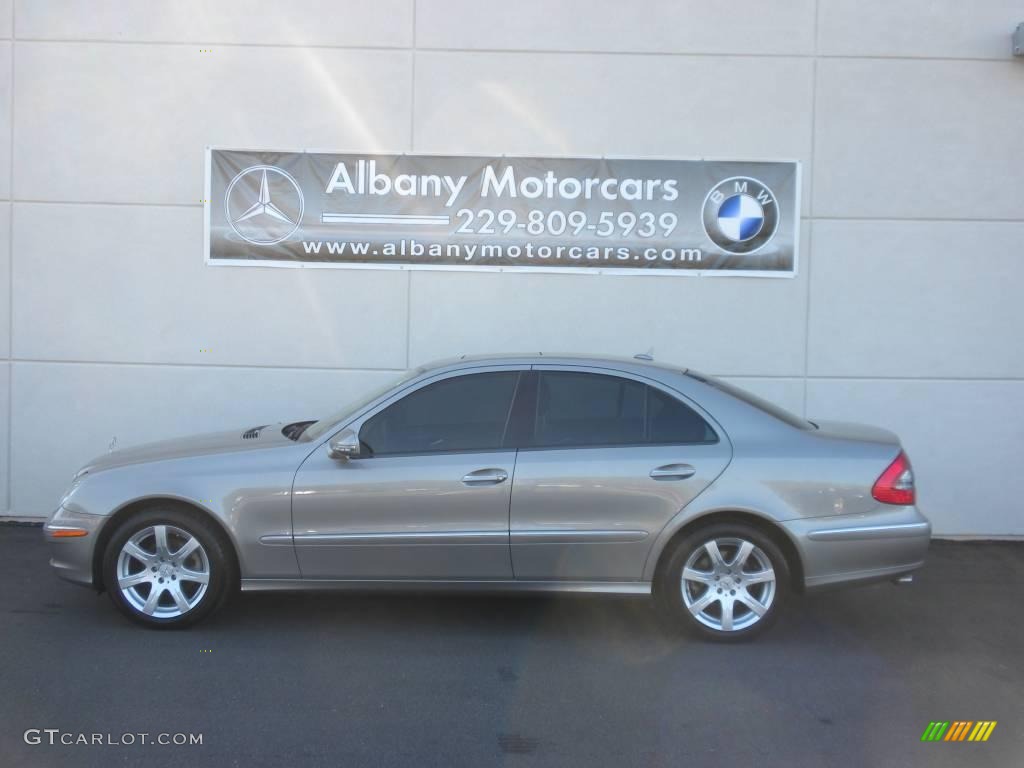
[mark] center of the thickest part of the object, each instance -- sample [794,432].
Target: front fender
[247,494]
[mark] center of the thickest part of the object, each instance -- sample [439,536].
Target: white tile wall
[475,102]
[5,118]
[788,393]
[899,298]
[5,282]
[668,26]
[932,28]
[128,284]
[68,413]
[5,435]
[963,437]
[729,325]
[98,122]
[919,139]
[612,105]
[911,116]
[295,22]
[5,253]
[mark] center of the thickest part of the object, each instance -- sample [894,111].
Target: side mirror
[344,445]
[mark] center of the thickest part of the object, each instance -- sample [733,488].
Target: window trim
[356,420]
[530,431]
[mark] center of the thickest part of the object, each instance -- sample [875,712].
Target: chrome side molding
[445,585]
[899,530]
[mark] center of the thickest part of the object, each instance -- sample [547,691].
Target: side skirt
[440,585]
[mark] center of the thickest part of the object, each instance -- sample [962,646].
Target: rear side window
[590,409]
[463,413]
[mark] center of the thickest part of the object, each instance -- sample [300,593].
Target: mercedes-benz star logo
[263,205]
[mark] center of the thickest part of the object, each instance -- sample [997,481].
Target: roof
[538,358]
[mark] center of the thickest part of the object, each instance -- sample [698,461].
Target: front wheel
[166,568]
[726,581]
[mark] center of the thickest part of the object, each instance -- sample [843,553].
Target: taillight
[896,484]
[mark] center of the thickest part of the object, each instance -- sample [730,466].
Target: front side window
[463,413]
[321,427]
[590,409]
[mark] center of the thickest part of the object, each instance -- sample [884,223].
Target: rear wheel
[167,568]
[725,581]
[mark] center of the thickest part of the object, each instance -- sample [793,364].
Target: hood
[845,430]
[253,438]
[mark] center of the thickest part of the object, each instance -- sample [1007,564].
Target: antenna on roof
[648,355]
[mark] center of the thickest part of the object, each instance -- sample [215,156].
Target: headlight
[70,491]
[75,482]
[65,524]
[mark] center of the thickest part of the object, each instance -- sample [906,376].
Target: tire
[717,601]
[193,572]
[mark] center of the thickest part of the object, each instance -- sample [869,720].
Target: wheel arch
[766,525]
[130,508]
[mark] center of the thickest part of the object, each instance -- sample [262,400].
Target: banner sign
[510,213]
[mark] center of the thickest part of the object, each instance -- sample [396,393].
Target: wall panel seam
[9,499]
[722,54]
[408,318]
[199,206]
[796,377]
[811,170]
[525,51]
[396,48]
[412,86]
[212,366]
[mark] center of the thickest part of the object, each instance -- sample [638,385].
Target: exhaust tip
[905,579]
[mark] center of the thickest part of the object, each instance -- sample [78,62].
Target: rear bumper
[852,549]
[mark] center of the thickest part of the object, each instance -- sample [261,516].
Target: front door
[611,460]
[429,496]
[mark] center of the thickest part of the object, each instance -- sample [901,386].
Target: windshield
[751,399]
[324,425]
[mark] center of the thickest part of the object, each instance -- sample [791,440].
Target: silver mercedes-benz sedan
[559,474]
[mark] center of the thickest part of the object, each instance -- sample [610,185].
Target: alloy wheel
[728,584]
[163,571]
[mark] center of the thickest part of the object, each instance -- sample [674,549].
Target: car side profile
[509,473]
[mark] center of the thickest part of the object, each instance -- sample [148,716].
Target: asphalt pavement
[848,678]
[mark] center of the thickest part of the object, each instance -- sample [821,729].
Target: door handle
[490,476]
[673,472]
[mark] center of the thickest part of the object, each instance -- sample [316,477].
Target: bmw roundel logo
[740,215]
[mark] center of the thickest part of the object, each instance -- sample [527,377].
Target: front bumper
[72,557]
[850,549]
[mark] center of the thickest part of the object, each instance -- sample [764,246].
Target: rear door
[608,459]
